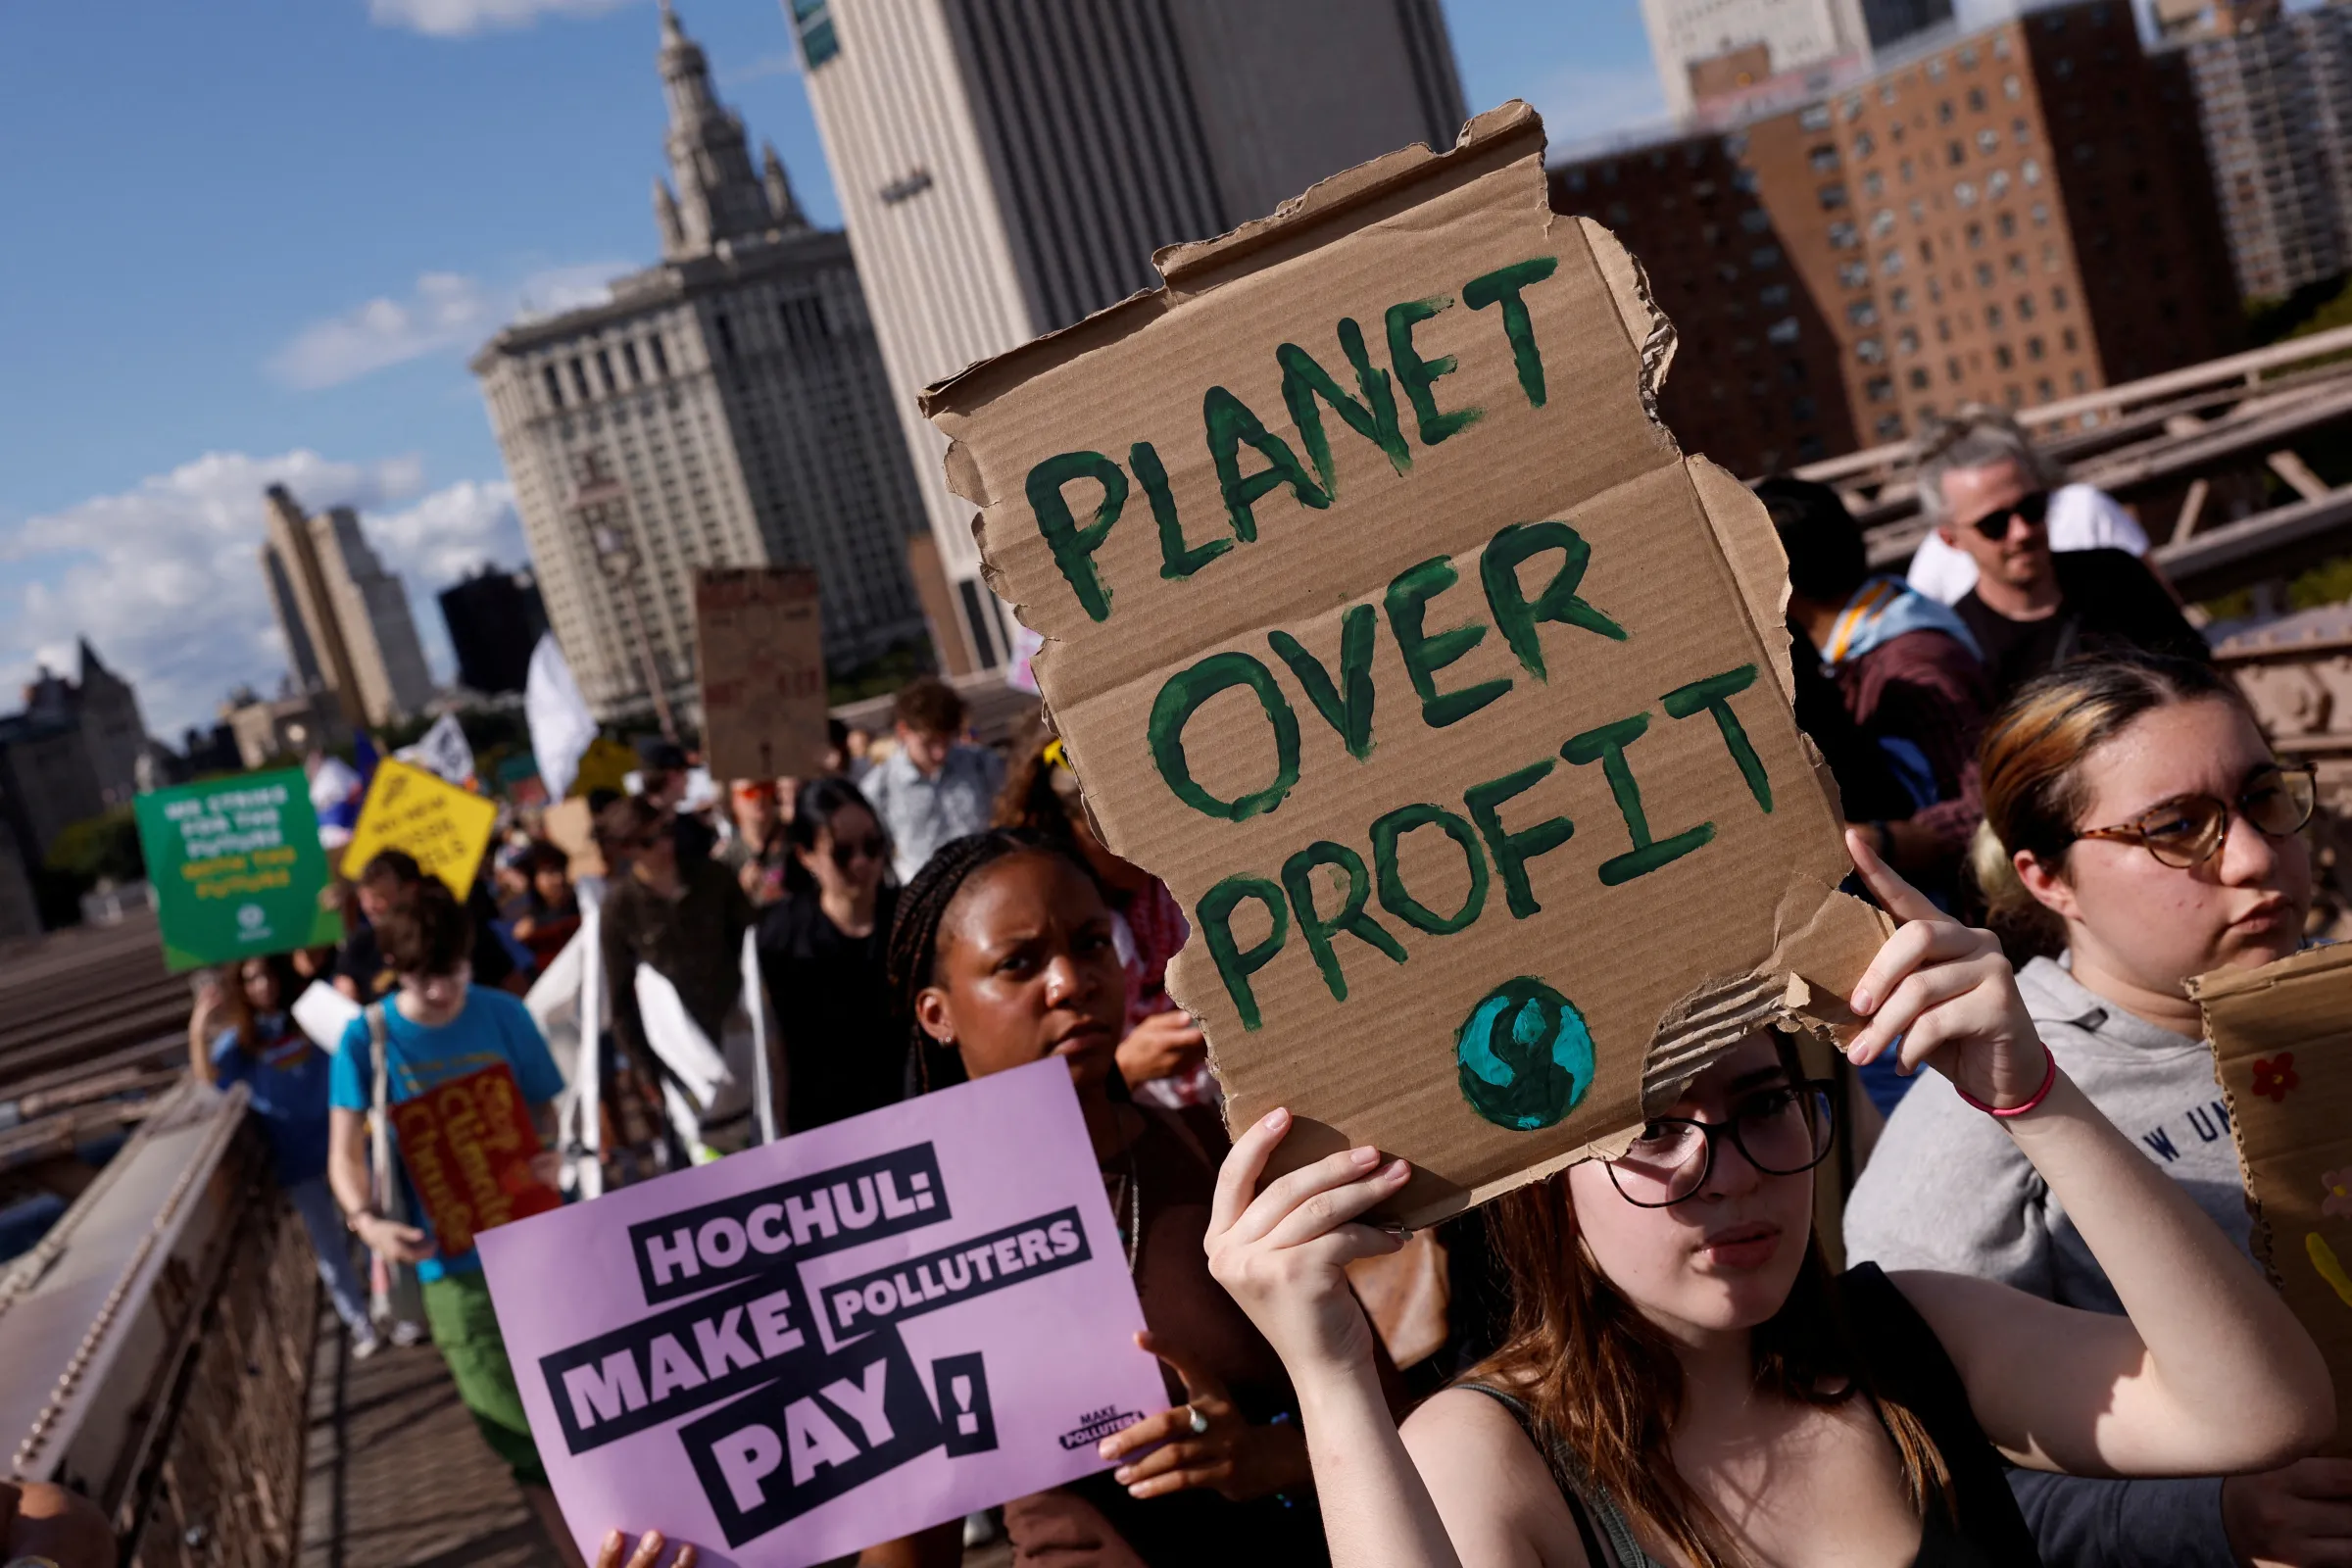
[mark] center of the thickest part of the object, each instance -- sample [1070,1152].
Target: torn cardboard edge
[1822,936]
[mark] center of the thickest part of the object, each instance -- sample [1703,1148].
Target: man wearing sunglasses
[2033,609]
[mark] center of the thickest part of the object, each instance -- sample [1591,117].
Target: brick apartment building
[2011,215]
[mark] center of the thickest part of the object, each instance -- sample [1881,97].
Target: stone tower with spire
[713,193]
[726,408]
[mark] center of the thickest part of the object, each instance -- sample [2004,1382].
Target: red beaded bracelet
[2040,1095]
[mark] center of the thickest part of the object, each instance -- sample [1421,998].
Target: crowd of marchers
[2047,1344]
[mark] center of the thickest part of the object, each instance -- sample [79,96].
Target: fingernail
[1102,1449]
[1122,1474]
[611,1541]
[1395,1168]
[1864,1001]
[650,1540]
[1275,1117]
[1366,1155]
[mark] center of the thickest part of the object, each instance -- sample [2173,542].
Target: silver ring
[1200,1422]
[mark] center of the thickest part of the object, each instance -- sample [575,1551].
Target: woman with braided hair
[1002,953]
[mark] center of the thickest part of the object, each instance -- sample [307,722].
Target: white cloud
[461,19]
[445,313]
[165,581]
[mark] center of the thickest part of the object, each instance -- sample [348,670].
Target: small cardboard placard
[446,828]
[835,1340]
[237,868]
[1386,625]
[2282,1043]
[760,655]
[466,1144]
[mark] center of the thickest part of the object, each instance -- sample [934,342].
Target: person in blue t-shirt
[438,1026]
[286,1074]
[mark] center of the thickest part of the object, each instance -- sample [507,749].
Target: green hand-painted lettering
[1374,419]
[1392,827]
[1074,547]
[1606,746]
[1177,560]
[1504,284]
[1425,653]
[1298,877]
[1417,374]
[1183,695]
[1499,569]
[1347,708]
[1512,851]
[1715,694]
[1231,426]
[1235,966]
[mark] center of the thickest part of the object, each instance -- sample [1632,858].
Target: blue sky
[256,239]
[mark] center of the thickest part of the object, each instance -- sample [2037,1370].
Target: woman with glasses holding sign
[1686,1382]
[2137,826]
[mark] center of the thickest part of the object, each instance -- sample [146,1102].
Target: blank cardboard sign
[1387,626]
[759,649]
[2283,1042]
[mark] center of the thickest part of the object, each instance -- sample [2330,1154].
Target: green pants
[457,1308]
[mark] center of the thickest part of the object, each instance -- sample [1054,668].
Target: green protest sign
[237,868]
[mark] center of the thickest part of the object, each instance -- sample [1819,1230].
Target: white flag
[442,749]
[559,721]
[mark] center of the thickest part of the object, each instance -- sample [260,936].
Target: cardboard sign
[466,1144]
[1387,626]
[2283,1040]
[606,766]
[760,655]
[237,868]
[835,1340]
[446,828]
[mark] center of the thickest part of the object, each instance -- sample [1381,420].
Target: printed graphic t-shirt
[493,1028]
[287,1079]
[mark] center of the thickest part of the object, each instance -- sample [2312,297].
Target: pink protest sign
[835,1340]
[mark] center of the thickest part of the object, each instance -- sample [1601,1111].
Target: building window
[2079,383]
[1889,425]
[1935,67]
[1842,236]
[555,385]
[660,358]
[1881,222]
[1919,380]
[1782,332]
[1887,92]
[1573,179]
[812,20]
[1890,264]
[1755,220]
[1803,411]
[1965,193]
[2058,300]
[2005,224]
[726,335]
[2017,265]
[579,377]
[1870,351]
[1743,180]
[1824,160]
[2031,172]
[1976,100]
[1864,146]
[1873,183]
[1993,317]
[628,360]
[2042,390]
[604,372]
[1862,313]
[1764,257]
[2025,306]
[1904,169]
[1943,113]
[1879,388]
[1814,116]
[1976,236]
[1983,275]
[1955,154]
[2002,359]
[1735,145]
[1899,300]
[1832,197]
[2034,348]
[1773,297]
[1853,274]
[1968,58]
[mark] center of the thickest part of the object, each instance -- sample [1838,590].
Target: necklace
[1127,1198]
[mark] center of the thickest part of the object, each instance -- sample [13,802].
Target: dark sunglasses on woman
[844,851]
[2032,509]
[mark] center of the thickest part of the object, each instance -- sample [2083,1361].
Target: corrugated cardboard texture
[759,647]
[2282,1039]
[1474,919]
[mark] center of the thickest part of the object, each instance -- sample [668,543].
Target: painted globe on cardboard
[1524,1054]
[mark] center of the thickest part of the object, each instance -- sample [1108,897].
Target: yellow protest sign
[603,766]
[446,828]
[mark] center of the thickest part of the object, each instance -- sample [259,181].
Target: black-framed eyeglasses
[2033,509]
[2189,830]
[1783,1130]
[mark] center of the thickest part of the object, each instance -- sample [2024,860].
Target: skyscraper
[726,408]
[345,618]
[1718,49]
[1007,167]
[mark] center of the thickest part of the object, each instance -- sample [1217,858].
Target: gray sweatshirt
[1945,1189]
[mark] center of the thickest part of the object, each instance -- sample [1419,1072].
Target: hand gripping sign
[1389,627]
[835,1340]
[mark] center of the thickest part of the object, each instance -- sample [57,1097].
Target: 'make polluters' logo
[1096,1425]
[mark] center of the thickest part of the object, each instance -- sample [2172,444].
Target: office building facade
[1007,168]
[2012,215]
[2274,101]
[344,618]
[726,408]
